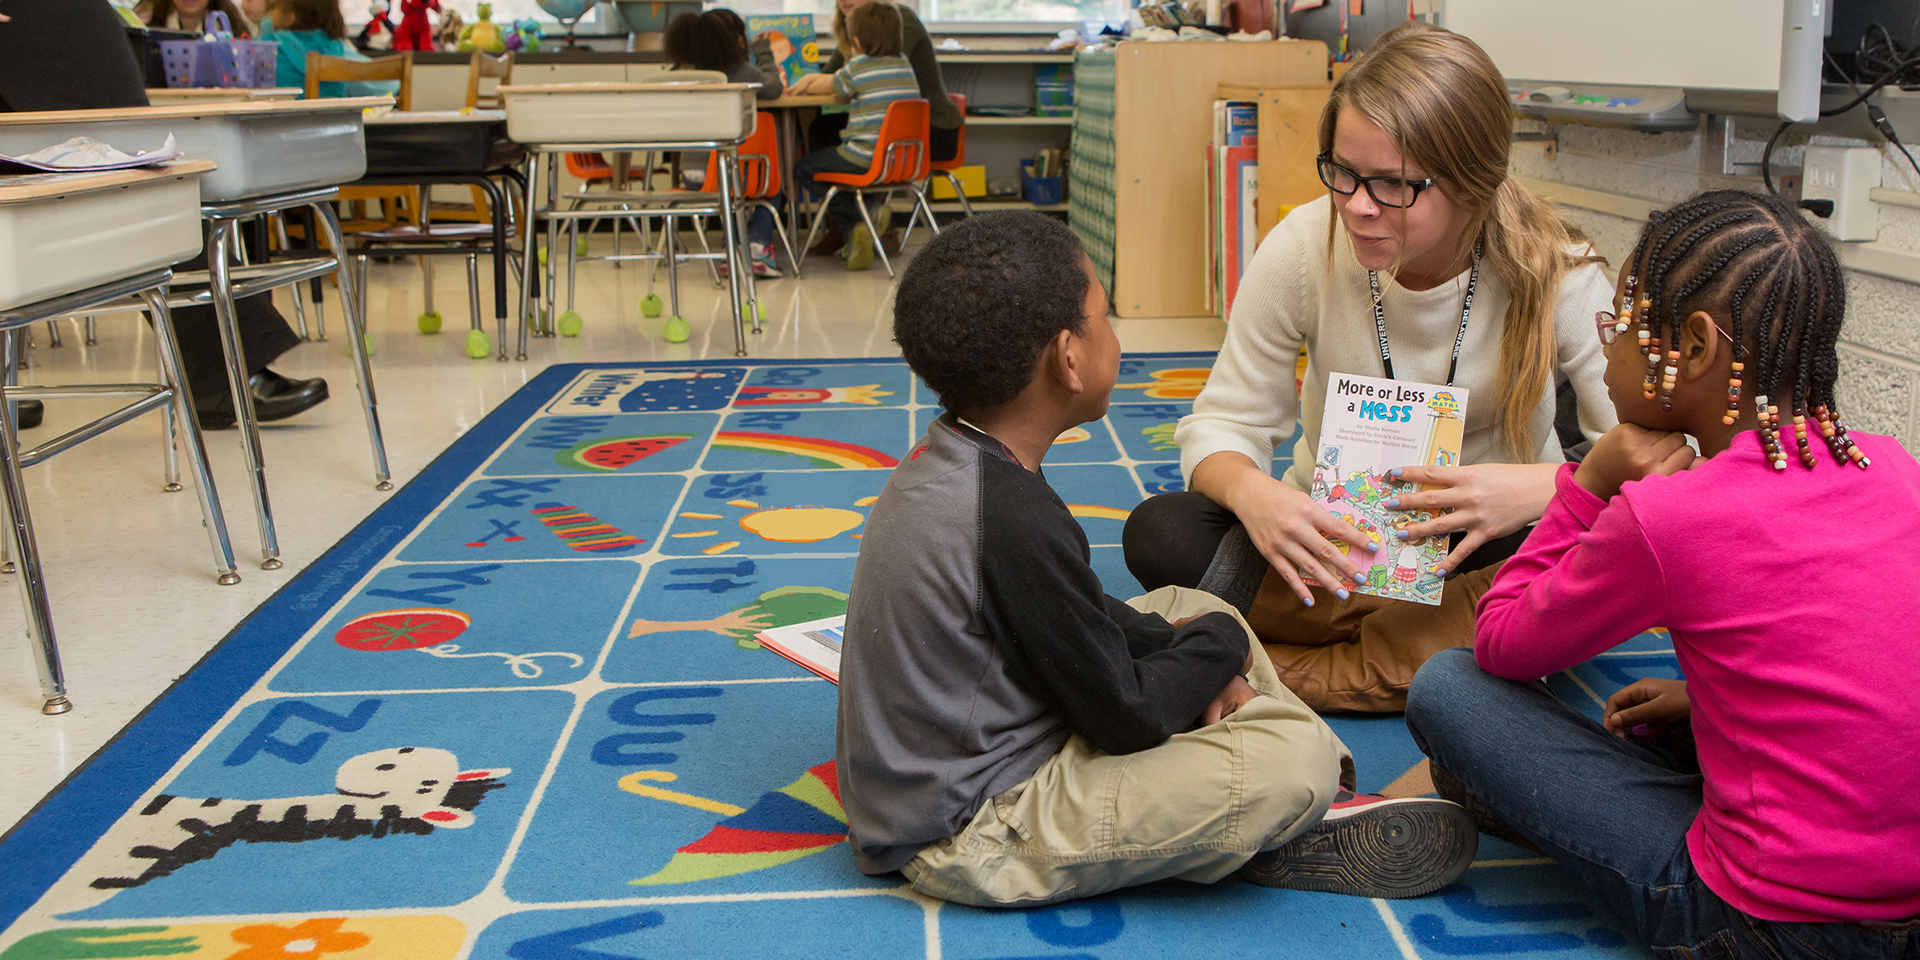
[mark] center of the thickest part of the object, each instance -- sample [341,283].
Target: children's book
[814,644]
[795,45]
[1371,426]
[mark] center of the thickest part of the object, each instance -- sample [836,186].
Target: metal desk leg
[550,316]
[169,425]
[181,410]
[528,259]
[357,331]
[220,289]
[32,578]
[729,220]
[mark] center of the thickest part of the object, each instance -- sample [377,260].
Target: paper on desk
[86,153]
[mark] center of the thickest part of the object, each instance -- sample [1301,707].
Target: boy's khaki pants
[1197,807]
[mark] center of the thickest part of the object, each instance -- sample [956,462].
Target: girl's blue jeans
[1613,812]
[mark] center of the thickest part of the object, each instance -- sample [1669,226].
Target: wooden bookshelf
[1289,119]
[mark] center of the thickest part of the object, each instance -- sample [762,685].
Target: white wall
[1879,389]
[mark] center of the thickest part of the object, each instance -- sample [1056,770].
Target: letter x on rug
[519,713]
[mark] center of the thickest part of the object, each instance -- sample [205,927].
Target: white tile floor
[128,567]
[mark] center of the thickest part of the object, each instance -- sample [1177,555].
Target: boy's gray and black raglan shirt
[978,639]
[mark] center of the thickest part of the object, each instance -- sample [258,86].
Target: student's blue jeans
[844,211]
[1613,812]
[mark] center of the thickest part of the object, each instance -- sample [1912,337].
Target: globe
[567,11]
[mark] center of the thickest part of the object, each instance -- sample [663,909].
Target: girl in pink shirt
[1772,556]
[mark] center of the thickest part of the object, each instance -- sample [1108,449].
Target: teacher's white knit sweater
[1289,297]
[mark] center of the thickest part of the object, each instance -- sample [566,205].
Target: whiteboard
[1699,44]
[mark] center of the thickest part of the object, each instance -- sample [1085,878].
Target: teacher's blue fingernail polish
[1342,594]
[1373,547]
[1307,600]
[1402,534]
[1394,472]
[1393,503]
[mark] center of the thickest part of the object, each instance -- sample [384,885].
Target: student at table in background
[38,49]
[943,139]
[192,15]
[943,118]
[876,76]
[717,40]
[301,27]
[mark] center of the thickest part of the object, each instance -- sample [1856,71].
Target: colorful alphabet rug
[519,713]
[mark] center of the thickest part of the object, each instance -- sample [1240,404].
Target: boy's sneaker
[860,249]
[763,266]
[1372,846]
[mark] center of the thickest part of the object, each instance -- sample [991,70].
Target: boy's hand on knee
[1647,701]
[1236,694]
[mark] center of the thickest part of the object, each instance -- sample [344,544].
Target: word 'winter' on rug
[519,713]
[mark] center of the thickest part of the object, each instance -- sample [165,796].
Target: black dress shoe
[276,397]
[31,412]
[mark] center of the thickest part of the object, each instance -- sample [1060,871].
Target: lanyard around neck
[1466,309]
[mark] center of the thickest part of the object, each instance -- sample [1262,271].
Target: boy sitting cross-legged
[1009,735]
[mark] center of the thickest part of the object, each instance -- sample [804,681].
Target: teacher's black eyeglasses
[1394,192]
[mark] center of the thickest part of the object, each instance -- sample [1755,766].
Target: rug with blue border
[518,713]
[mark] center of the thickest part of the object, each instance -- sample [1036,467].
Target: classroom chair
[394,201]
[899,163]
[945,168]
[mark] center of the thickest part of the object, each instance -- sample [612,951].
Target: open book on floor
[814,644]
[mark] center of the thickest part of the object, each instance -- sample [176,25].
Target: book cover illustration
[1371,426]
[814,644]
[795,45]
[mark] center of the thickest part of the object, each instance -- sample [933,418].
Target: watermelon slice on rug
[606,456]
[800,819]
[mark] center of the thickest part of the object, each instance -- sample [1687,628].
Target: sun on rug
[519,713]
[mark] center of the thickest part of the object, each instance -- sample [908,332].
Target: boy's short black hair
[983,299]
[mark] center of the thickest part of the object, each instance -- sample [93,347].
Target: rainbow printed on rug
[582,530]
[823,453]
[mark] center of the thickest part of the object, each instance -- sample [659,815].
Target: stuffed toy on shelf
[415,31]
[483,34]
[448,35]
[377,35]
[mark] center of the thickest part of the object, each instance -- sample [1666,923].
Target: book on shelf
[795,45]
[1233,177]
[814,644]
[1369,427]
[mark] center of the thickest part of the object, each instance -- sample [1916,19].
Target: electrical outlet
[1843,176]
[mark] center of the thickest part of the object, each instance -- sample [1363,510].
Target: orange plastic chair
[946,168]
[900,161]
[759,165]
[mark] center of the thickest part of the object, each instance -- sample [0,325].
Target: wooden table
[169,96]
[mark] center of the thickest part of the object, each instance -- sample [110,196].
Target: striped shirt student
[871,83]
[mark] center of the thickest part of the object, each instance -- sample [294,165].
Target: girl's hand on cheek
[1629,452]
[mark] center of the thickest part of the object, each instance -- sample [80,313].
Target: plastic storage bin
[219,63]
[66,232]
[616,113]
[264,147]
[1039,191]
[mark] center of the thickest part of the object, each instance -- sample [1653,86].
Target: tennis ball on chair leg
[676,330]
[570,324]
[429,322]
[652,305]
[478,344]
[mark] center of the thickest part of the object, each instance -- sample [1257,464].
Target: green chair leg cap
[570,324]
[676,330]
[580,247]
[429,322]
[652,305]
[479,345]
